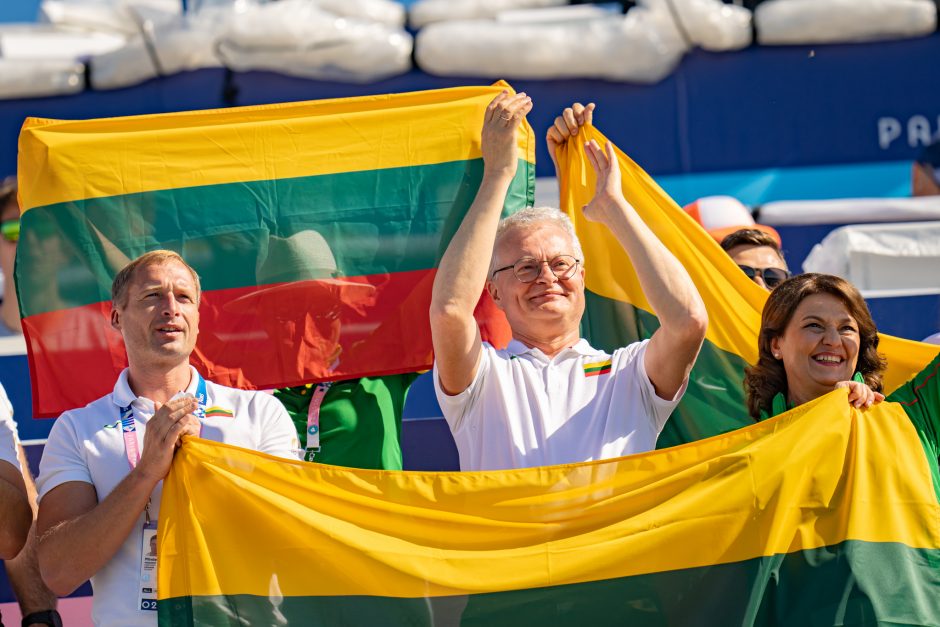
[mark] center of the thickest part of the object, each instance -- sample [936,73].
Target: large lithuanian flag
[315,227]
[618,312]
[822,516]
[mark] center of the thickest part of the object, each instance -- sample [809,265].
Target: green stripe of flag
[377,221]
[834,585]
[714,401]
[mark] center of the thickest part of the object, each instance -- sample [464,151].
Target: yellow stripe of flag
[254,143]
[819,475]
[734,302]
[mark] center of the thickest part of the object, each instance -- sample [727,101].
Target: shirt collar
[123,395]
[581,347]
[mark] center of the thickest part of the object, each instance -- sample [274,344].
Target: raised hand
[500,122]
[608,195]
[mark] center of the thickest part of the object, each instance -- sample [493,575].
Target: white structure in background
[365,42]
[850,210]
[891,246]
[126,42]
[833,21]
[424,12]
[165,43]
[299,37]
[119,17]
[879,257]
[583,41]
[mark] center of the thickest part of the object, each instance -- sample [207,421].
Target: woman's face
[819,347]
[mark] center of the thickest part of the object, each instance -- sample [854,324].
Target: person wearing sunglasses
[549,397]
[37,603]
[758,255]
[9,236]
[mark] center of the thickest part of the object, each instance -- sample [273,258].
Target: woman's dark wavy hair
[768,377]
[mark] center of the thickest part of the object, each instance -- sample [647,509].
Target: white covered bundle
[384,11]
[833,21]
[186,42]
[298,37]
[710,24]
[118,16]
[37,78]
[47,42]
[424,12]
[643,46]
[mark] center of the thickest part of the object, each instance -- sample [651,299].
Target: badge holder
[147,586]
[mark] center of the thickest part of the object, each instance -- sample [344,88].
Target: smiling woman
[816,334]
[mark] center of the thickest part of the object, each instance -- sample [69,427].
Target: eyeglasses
[10,229]
[528,269]
[771,276]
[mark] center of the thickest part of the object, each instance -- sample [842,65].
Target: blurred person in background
[9,236]
[925,173]
[353,422]
[756,248]
[758,255]
[37,603]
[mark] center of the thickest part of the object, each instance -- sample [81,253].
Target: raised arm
[461,275]
[667,286]
[78,535]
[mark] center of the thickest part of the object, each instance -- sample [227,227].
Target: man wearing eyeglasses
[549,397]
[758,255]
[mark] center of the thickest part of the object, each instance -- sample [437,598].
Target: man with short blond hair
[101,473]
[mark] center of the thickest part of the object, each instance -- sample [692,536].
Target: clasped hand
[170,422]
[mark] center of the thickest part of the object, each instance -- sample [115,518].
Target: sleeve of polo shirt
[63,458]
[634,367]
[278,435]
[457,406]
[8,437]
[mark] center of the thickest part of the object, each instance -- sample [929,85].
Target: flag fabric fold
[618,313]
[315,228]
[823,516]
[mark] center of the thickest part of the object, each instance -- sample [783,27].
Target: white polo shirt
[525,409]
[87,445]
[8,437]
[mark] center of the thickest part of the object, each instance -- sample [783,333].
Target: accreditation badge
[147,599]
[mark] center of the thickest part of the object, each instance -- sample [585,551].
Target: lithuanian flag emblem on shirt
[597,368]
[219,412]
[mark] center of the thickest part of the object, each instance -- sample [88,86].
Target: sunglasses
[10,230]
[771,276]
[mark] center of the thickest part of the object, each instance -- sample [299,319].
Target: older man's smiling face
[547,305]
